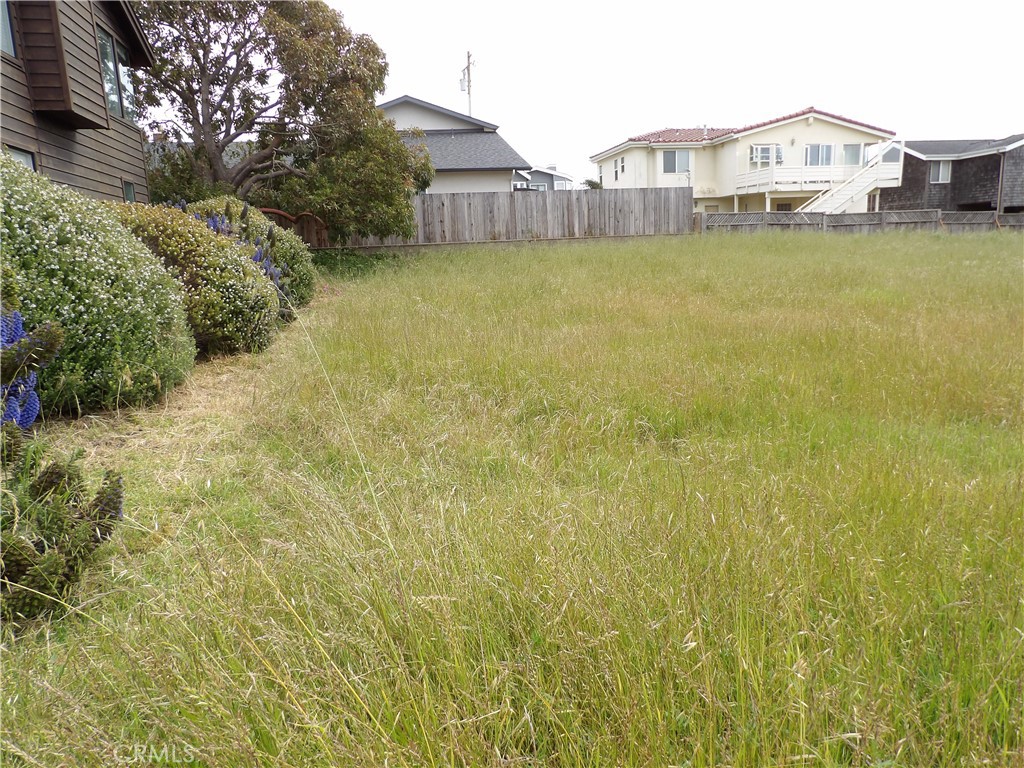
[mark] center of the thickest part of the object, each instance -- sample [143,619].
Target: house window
[539,187]
[675,161]
[938,171]
[6,28]
[851,154]
[600,175]
[818,154]
[129,191]
[561,185]
[710,209]
[765,154]
[25,158]
[784,207]
[117,76]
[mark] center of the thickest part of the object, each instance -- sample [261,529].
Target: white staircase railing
[838,198]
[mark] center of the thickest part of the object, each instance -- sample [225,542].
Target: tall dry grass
[726,501]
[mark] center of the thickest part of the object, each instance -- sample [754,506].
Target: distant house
[808,160]
[467,154]
[66,96]
[542,179]
[969,175]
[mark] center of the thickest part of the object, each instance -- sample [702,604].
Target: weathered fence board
[474,217]
[927,220]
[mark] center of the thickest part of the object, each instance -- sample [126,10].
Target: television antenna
[466,83]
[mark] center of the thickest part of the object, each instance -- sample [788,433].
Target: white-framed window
[818,154]
[615,167]
[518,185]
[117,76]
[675,161]
[852,154]
[22,156]
[765,154]
[561,184]
[600,175]
[939,171]
[539,186]
[6,28]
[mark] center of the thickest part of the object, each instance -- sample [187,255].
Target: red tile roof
[675,135]
[812,110]
[683,134]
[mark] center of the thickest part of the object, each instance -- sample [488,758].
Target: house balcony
[808,178]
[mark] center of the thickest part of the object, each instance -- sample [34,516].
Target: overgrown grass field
[744,501]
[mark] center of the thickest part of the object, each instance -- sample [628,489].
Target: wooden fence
[929,220]
[306,225]
[480,217]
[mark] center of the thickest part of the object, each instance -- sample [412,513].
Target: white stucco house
[809,160]
[467,153]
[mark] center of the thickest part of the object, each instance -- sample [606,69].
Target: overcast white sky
[565,80]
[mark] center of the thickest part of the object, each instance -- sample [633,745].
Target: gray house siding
[1013,181]
[973,184]
[94,161]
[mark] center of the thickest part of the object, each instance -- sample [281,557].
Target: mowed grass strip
[735,501]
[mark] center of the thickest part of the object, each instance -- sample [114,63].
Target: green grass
[745,501]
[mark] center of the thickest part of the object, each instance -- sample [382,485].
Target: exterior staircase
[876,173]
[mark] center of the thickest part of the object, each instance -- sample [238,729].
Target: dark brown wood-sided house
[67,103]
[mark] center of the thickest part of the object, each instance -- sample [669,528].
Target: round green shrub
[231,306]
[126,339]
[289,253]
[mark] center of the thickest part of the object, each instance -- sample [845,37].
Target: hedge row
[231,306]
[126,339]
[136,309]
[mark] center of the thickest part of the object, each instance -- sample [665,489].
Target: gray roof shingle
[469,151]
[962,146]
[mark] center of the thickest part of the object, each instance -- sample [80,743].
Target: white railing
[783,178]
[876,173]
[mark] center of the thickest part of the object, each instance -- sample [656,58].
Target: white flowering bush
[231,305]
[288,252]
[126,340]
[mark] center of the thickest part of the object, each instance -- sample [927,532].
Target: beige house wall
[797,134]
[408,116]
[472,181]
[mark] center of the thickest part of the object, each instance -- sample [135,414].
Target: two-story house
[808,160]
[67,101]
[467,153]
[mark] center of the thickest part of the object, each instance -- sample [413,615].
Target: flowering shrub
[231,307]
[126,339]
[22,356]
[285,258]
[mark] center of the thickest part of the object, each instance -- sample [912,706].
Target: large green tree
[251,94]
